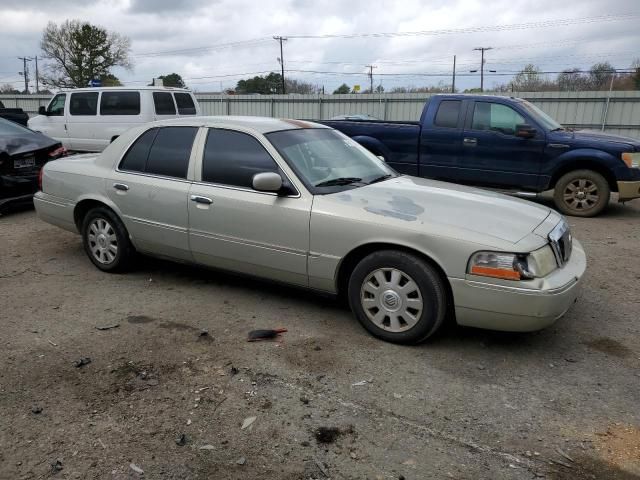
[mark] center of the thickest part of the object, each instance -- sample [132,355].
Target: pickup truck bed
[16,115]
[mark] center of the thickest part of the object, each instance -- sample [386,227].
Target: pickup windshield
[542,118]
[328,161]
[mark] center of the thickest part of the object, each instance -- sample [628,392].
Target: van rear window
[185,104]
[120,103]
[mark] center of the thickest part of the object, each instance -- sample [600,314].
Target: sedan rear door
[151,189]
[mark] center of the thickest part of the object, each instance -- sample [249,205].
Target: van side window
[185,104]
[120,103]
[170,152]
[84,103]
[163,102]
[448,114]
[56,107]
[135,159]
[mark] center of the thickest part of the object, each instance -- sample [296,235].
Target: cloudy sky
[214,43]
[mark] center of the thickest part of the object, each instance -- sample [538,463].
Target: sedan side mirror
[267,182]
[525,130]
[42,111]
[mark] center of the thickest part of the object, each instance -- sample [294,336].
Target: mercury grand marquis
[301,203]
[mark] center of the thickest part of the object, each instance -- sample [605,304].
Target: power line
[493,28]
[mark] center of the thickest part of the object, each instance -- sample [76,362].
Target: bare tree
[80,52]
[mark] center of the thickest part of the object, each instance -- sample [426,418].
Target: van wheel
[397,297]
[106,240]
[582,193]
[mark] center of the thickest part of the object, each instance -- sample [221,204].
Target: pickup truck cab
[88,119]
[509,144]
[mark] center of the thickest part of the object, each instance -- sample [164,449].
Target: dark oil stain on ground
[609,346]
[140,319]
[169,325]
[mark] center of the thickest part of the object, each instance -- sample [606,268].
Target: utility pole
[371,67]
[453,83]
[25,72]
[482,50]
[37,77]
[281,60]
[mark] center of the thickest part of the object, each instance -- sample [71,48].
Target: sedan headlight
[631,159]
[513,266]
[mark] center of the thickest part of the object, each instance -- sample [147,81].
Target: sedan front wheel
[397,296]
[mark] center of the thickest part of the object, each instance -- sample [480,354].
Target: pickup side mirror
[42,110]
[525,130]
[267,182]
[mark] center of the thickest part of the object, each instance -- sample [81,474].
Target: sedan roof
[257,124]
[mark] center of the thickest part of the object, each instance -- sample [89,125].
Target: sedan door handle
[470,142]
[121,187]
[199,199]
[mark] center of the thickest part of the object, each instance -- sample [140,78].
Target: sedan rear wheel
[106,240]
[397,296]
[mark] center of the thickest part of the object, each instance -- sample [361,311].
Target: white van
[88,119]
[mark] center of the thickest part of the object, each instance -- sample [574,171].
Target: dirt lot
[563,403]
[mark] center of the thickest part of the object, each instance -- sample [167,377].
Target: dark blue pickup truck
[509,144]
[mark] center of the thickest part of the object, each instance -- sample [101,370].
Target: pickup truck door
[492,155]
[234,227]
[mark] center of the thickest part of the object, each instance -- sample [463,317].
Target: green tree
[342,89]
[172,80]
[80,52]
[600,76]
[110,80]
[267,85]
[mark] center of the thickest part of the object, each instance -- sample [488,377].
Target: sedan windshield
[328,161]
[543,119]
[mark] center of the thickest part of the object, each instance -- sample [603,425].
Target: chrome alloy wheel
[103,242]
[581,194]
[391,299]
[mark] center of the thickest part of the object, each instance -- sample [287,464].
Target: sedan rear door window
[84,103]
[135,160]
[170,152]
[185,104]
[233,158]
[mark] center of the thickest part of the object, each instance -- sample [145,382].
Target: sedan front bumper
[519,308]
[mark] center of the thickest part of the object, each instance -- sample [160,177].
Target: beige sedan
[300,203]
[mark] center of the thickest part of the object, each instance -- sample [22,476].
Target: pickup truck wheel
[106,240]
[397,296]
[582,193]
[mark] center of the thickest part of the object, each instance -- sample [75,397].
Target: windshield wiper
[339,181]
[381,178]
[557,128]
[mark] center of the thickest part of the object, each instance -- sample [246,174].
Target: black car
[22,153]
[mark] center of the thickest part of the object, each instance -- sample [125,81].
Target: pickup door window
[492,155]
[151,189]
[235,227]
[448,114]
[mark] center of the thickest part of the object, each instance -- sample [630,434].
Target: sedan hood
[430,202]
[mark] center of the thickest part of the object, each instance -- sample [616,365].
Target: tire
[410,306]
[581,193]
[106,240]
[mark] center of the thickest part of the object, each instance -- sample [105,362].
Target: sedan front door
[234,227]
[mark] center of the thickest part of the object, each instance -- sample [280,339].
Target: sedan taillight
[58,152]
[40,178]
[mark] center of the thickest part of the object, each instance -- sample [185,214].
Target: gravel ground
[563,403]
